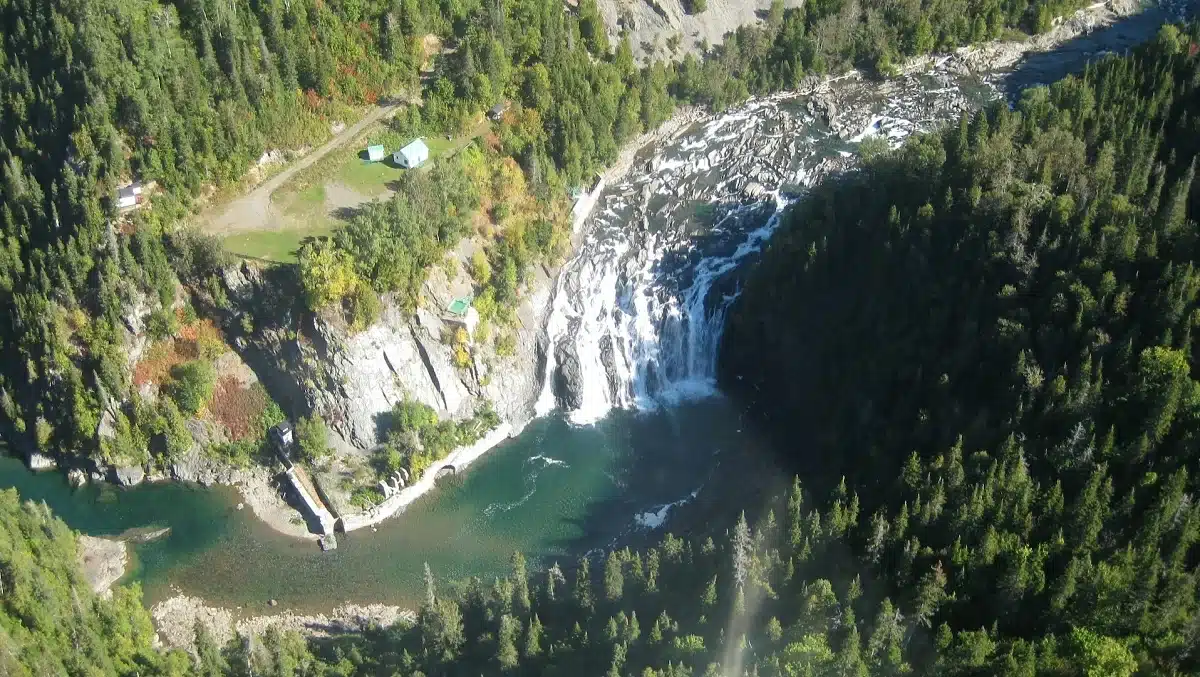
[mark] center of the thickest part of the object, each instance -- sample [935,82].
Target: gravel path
[253,210]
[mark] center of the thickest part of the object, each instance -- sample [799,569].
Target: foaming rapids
[638,312]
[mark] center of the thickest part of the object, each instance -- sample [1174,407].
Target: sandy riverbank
[261,495]
[176,618]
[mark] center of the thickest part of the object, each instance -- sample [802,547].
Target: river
[553,492]
[631,420]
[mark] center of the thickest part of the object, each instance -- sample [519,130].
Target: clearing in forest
[317,192]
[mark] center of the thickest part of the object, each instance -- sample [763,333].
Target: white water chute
[638,313]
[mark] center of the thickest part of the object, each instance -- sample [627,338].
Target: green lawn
[368,178]
[279,246]
[302,199]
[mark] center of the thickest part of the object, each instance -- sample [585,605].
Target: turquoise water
[553,492]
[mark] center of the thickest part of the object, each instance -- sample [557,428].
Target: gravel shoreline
[262,496]
[176,618]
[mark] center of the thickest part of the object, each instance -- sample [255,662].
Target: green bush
[192,385]
[161,324]
[365,497]
[363,306]
[312,439]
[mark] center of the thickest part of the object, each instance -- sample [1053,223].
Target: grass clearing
[305,200]
[368,178]
[278,246]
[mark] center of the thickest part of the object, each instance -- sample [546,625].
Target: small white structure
[130,197]
[412,155]
[496,113]
[470,321]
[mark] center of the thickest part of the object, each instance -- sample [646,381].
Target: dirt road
[253,210]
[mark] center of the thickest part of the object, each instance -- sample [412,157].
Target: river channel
[638,312]
[553,492]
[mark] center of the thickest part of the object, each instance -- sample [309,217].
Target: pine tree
[520,581]
[795,518]
[554,578]
[741,546]
[533,638]
[506,648]
[430,591]
[583,585]
[614,579]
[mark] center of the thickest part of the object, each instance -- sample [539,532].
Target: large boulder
[128,476]
[195,466]
[568,376]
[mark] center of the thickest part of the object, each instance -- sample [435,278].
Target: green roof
[459,305]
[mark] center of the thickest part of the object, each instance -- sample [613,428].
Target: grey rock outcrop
[196,466]
[76,477]
[353,379]
[128,476]
[568,377]
[652,23]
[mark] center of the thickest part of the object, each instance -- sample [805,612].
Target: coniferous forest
[981,342]
[189,93]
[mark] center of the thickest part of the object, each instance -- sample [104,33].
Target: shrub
[312,438]
[481,270]
[506,345]
[161,324]
[365,497]
[363,306]
[462,356]
[192,385]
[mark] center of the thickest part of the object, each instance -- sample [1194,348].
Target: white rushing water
[638,312]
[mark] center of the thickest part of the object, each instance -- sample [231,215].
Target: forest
[994,441]
[188,94]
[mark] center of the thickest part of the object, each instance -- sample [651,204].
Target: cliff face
[315,363]
[651,23]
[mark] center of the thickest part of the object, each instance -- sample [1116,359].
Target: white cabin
[412,155]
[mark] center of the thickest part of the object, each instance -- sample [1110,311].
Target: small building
[282,438]
[496,112]
[131,196]
[375,153]
[462,313]
[412,155]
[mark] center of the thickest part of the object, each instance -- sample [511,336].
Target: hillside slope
[989,334]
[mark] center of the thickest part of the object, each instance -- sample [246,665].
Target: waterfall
[637,314]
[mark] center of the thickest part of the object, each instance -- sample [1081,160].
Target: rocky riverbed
[176,620]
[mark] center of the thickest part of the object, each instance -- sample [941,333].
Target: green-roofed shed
[375,153]
[459,306]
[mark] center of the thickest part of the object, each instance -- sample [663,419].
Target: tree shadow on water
[1072,56]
